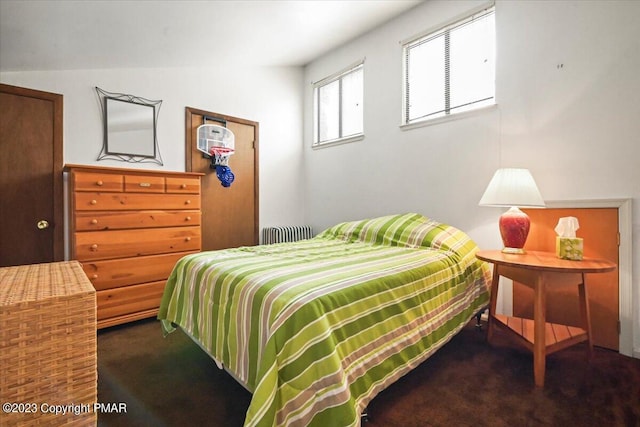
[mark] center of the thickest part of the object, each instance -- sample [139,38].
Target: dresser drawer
[121,220]
[183,185]
[97,245]
[93,181]
[144,184]
[129,299]
[130,271]
[130,201]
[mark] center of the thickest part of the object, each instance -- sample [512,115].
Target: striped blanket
[315,329]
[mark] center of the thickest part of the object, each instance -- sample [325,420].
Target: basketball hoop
[217,143]
[221,155]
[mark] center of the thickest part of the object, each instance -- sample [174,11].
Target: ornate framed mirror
[130,128]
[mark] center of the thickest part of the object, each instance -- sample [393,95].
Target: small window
[338,114]
[450,70]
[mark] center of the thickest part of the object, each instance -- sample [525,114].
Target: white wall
[270,96]
[567,85]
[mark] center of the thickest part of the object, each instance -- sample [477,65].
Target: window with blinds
[338,114]
[451,70]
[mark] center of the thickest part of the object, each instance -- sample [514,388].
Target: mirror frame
[122,155]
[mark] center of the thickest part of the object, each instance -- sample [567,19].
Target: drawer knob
[188,218]
[94,221]
[187,239]
[145,184]
[188,202]
[94,202]
[94,247]
[99,183]
[183,186]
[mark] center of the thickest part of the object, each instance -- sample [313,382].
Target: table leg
[539,330]
[495,278]
[585,314]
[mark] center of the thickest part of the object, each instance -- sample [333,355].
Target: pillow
[409,230]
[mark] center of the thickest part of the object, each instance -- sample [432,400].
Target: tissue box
[569,248]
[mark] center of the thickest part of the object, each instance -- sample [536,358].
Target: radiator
[286,234]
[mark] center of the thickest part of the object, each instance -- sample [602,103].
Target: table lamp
[513,188]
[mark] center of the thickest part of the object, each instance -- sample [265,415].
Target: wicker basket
[47,345]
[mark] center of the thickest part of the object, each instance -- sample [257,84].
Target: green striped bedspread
[315,329]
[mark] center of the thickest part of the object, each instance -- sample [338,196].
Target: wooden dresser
[128,227]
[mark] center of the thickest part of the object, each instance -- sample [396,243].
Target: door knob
[42,224]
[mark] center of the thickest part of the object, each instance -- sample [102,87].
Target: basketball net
[221,163]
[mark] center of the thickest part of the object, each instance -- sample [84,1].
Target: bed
[315,329]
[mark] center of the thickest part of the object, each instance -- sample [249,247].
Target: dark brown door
[31,224]
[599,231]
[229,214]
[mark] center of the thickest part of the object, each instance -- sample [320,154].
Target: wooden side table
[539,271]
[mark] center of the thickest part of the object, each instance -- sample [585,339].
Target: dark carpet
[172,382]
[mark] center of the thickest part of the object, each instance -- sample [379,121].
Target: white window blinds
[338,112]
[451,70]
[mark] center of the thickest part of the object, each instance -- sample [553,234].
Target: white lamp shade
[512,187]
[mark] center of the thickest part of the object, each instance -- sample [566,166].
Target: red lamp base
[514,229]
